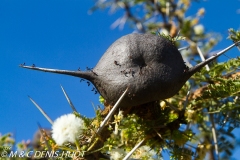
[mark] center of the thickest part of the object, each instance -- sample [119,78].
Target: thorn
[111,112]
[96,92]
[184,48]
[41,110]
[82,80]
[93,89]
[79,69]
[68,99]
[133,150]
[33,65]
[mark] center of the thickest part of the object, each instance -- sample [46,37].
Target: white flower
[164,31]
[67,128]
[144,152]
[117,154]
[198,29]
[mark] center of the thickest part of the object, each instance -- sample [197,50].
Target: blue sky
[61,34]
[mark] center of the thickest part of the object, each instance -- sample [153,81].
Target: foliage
[165,16]
[6,142]
[234,35]
[214,100]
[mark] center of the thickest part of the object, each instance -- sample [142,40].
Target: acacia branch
[199,92]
